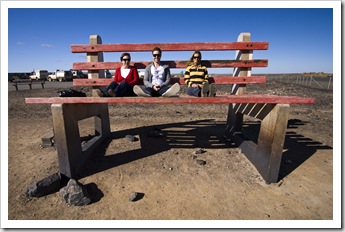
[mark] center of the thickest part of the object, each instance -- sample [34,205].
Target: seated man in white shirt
[156,79]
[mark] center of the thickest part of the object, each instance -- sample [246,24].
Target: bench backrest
[219,80]
[242,64]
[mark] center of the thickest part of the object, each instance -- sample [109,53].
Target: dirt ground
[165,168]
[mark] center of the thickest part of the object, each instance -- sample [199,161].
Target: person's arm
[117,76]
[167,76]
[206,74]
[187,77]
[147,75]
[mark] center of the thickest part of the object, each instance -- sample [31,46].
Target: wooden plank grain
[206,46]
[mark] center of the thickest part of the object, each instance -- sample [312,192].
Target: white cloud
[47,45]
[20,43]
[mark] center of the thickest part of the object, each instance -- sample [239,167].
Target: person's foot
[140,92]
[212,90]
[172,90]
[100,93]
[204,89]
[111,93]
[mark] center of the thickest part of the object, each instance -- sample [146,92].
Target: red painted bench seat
[183,99]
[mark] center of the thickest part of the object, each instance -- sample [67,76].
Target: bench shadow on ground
[297,148]
[205,134]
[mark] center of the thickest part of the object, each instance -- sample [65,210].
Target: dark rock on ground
[75,194]
[48,185]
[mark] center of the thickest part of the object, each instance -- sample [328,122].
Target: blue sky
[300,39]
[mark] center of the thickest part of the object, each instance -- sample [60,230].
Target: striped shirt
[195,74]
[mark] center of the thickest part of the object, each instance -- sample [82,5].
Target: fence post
[329,82]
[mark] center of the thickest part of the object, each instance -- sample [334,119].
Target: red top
[131,79]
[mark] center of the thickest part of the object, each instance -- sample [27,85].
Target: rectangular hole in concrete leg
[87,130]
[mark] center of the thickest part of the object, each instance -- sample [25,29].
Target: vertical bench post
[95,74]
[240,72]
[71,154]
[95,57]
[235,120]
[266,155]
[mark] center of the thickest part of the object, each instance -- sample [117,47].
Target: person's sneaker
[204,89]
[212,90]
[111,93]
[100,93]
[172,90]
[140,92]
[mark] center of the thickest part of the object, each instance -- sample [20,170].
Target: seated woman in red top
[125,78]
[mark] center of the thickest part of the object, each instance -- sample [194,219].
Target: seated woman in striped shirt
[196,78]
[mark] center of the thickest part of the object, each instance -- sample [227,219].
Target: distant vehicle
[78,74]
[60,75]
[141,74]
[39,75]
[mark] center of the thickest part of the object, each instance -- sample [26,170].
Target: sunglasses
[126,59]
[156,55]
[196,57]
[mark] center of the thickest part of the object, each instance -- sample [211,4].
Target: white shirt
[157,75]
[124,72]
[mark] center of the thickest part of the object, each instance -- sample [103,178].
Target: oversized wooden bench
[27,82]
[272,110]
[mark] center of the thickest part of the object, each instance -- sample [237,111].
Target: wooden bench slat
[221,99]
[211,46]
[216,80]
[172,64]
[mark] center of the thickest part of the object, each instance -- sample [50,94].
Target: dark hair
[125,54]
[157,49]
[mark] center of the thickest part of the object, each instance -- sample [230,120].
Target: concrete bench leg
[71,153]
[271,142]
[267,153]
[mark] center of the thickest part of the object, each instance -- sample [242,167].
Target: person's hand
[194,85]
[157,88]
